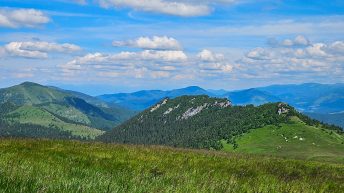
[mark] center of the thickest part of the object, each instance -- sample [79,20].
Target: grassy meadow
[71,166]
[293,140]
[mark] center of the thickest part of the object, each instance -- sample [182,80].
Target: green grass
[67,112]
[36,115]
[292,140]
[70,166]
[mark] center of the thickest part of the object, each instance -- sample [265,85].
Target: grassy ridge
[70,166]
[292,140]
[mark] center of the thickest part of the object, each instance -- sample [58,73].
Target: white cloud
[317,50]
[336,47]
[146,55]
[178,8]
[154,43]
[148,64]
[37,49]
[207,55]
[213,63]
[312,60]
[15,18]
[301,40]
[298,41]
[171,56]
[259,54]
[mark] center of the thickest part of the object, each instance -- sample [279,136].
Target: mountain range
[251,121]
[322,100]
[205,122]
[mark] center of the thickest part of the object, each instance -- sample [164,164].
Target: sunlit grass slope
[292,140]
[39,116]
[70,166]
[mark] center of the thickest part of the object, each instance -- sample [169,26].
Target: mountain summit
[213,123]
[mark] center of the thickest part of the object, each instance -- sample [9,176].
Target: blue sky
[106,46]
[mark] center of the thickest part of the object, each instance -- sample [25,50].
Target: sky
[109,46]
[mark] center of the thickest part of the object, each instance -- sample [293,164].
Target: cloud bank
[160,58]
[295,58]
[154,43]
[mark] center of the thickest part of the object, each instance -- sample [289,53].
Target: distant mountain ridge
[308,97]
[141,100]
[251,96]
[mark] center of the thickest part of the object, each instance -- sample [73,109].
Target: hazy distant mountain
[331,118]
[251,96]
[218,92]
[311,97]
[143,99]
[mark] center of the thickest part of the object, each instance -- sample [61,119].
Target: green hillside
[29,93]
[71,166]
[38,116]
[212,123]
[292,140]
[51,107]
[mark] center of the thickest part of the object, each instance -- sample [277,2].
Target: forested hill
[200,122]
[34,110]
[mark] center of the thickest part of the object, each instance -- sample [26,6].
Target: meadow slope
[71,166]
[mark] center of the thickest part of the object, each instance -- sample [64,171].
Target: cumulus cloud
[130,57]
[184,8]
[153,64]
[213,62]
[38,49]
[259,54]
[298,41]
[154,43]
[307,58]
[336,47]
[209,56]
[15,18]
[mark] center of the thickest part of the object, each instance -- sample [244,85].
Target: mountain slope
[67,104]
[294,139]
[11,127]
[143,99]
[30,166]
[29,93]
[203,122]
[53,108]
[39,116]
